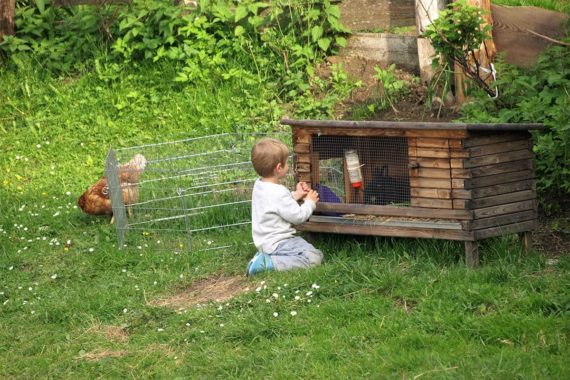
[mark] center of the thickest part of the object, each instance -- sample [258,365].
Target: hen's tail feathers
[132,170]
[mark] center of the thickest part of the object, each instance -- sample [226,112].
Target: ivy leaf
[241,12]
[324,43]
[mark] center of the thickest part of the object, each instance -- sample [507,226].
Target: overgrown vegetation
[275,43]
[538,95]
[456,35]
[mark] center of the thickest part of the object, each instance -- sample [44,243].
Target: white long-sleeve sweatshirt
[274,211]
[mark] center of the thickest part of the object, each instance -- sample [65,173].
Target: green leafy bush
[275,43]
[59,39]
[537,95]
[392,87]
[456,35]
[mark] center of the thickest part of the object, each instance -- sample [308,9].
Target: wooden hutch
[456,181]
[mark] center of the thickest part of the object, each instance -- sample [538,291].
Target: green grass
[379,308]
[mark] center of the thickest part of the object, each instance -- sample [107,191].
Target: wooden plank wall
[302,155]
[437,169]
[502,184]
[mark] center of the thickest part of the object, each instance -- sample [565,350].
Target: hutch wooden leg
[472,254]
[526,241]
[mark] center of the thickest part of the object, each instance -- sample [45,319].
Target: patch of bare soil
[113,333]
[218,288]
[552,236]
[97,356]
[411,107]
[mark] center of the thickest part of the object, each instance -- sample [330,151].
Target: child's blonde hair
[266,154]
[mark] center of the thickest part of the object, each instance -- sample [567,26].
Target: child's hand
[312,195]
[301,191]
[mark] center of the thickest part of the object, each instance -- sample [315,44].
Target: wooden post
[484,55]
[7,16]
[472,254]
[526,241]
[426,12]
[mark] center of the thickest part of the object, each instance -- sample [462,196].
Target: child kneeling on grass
[274,211]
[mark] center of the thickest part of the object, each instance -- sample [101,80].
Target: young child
[275,210]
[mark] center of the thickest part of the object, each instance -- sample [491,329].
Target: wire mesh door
[364,170]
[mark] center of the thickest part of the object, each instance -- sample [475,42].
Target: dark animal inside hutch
[453,181]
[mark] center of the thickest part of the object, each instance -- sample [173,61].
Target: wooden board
[512,187]
[386,231]
[435,133]
[301,137]
[420,126]
[505,229]
[510,146]
[461,194]
[497,179]
[438,163]
[389,222]
[430,193]
[301,148]
[503,220]
[505,167]
[431,173]
[508,208]
[484,138]
[435,183]
[498,158]
[432,203]
[437,152]
[460,173]
[463,204]
[501,199]
[354,132]
[427,142]
[410,212]
[302,158]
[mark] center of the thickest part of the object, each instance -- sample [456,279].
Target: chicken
[96,200]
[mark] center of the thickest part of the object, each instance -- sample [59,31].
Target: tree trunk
[7,15]
[426,12]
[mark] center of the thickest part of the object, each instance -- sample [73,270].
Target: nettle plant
[456,35]
[392,88]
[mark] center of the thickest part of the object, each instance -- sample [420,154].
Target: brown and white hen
[96,200]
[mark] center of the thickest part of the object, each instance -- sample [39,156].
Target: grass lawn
[75,306]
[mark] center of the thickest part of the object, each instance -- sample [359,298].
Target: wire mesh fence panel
[192,194]
[364,170]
